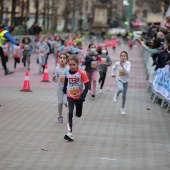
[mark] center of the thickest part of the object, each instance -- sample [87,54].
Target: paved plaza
[31,138]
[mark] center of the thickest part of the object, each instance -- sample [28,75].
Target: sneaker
[93,96]
[7,72]
[89,91]
[115,98]
[60,119]
[122,111]
[69,136]
[100,91]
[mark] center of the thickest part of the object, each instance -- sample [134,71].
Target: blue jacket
[8,36]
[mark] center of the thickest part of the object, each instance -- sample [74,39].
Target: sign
[161,82]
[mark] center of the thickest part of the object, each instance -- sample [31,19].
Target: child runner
[59,76]
[76,93]
[27,48]
[105,62]
[130,43]
[6,50]
[121,71]
[80,54]
[56,45]
[42,49]
[91,62]
[17,53]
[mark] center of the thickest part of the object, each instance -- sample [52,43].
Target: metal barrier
[150,75]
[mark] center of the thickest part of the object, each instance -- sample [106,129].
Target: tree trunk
[27,11]
[36,10]
[2,7]
[13,11]
[22,11]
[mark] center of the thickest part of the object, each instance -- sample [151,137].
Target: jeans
[122,88]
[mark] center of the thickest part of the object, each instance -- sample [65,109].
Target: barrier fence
[158,81]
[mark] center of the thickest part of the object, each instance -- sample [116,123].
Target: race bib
[93,64]
[16,50]
[26,47]
[62,79]
[103,61]
[122,73]
[74,91]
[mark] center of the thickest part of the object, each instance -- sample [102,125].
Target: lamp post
[129,5]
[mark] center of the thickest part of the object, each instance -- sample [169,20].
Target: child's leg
[89,75]
[120,87]
[6,59]
[60,101]
[43,62]
[79,107]
[28,61]
[40,63]
[125,86]
[15,62]
[70,114]
[100,78]
[24,59]
[94,77]
[103,76]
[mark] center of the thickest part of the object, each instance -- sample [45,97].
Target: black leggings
[79,107]
[16,60]
[3,59]
[102,78]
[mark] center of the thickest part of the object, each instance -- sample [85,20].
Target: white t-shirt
[122,73]
[60,75]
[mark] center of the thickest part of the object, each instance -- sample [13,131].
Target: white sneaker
[122,111]
[100,91]
[115,98]
[69,136]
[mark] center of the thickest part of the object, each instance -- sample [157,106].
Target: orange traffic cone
[45,75]
[26,86]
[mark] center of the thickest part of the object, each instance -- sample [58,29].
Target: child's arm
[87,60]
[83,95]
[127,69]
[47,48]
[113,72]
[109,61]
[65,86]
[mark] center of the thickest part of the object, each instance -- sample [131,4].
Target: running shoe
[60,119]
[115,98]
[122,111]
[69,136]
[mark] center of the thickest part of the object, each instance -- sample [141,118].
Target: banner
[161,83]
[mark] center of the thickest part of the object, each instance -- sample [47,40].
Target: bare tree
[14,4]
[22,11]
[66,12]
[2,7]
[27,10]
[36,10]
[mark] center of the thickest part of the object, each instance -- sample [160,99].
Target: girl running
[42,49]
[105,62]
[27,48]
[120,71]
[17,53]
[76,93]
[59,76]
[91,62]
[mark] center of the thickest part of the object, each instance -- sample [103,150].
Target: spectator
[37,29]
